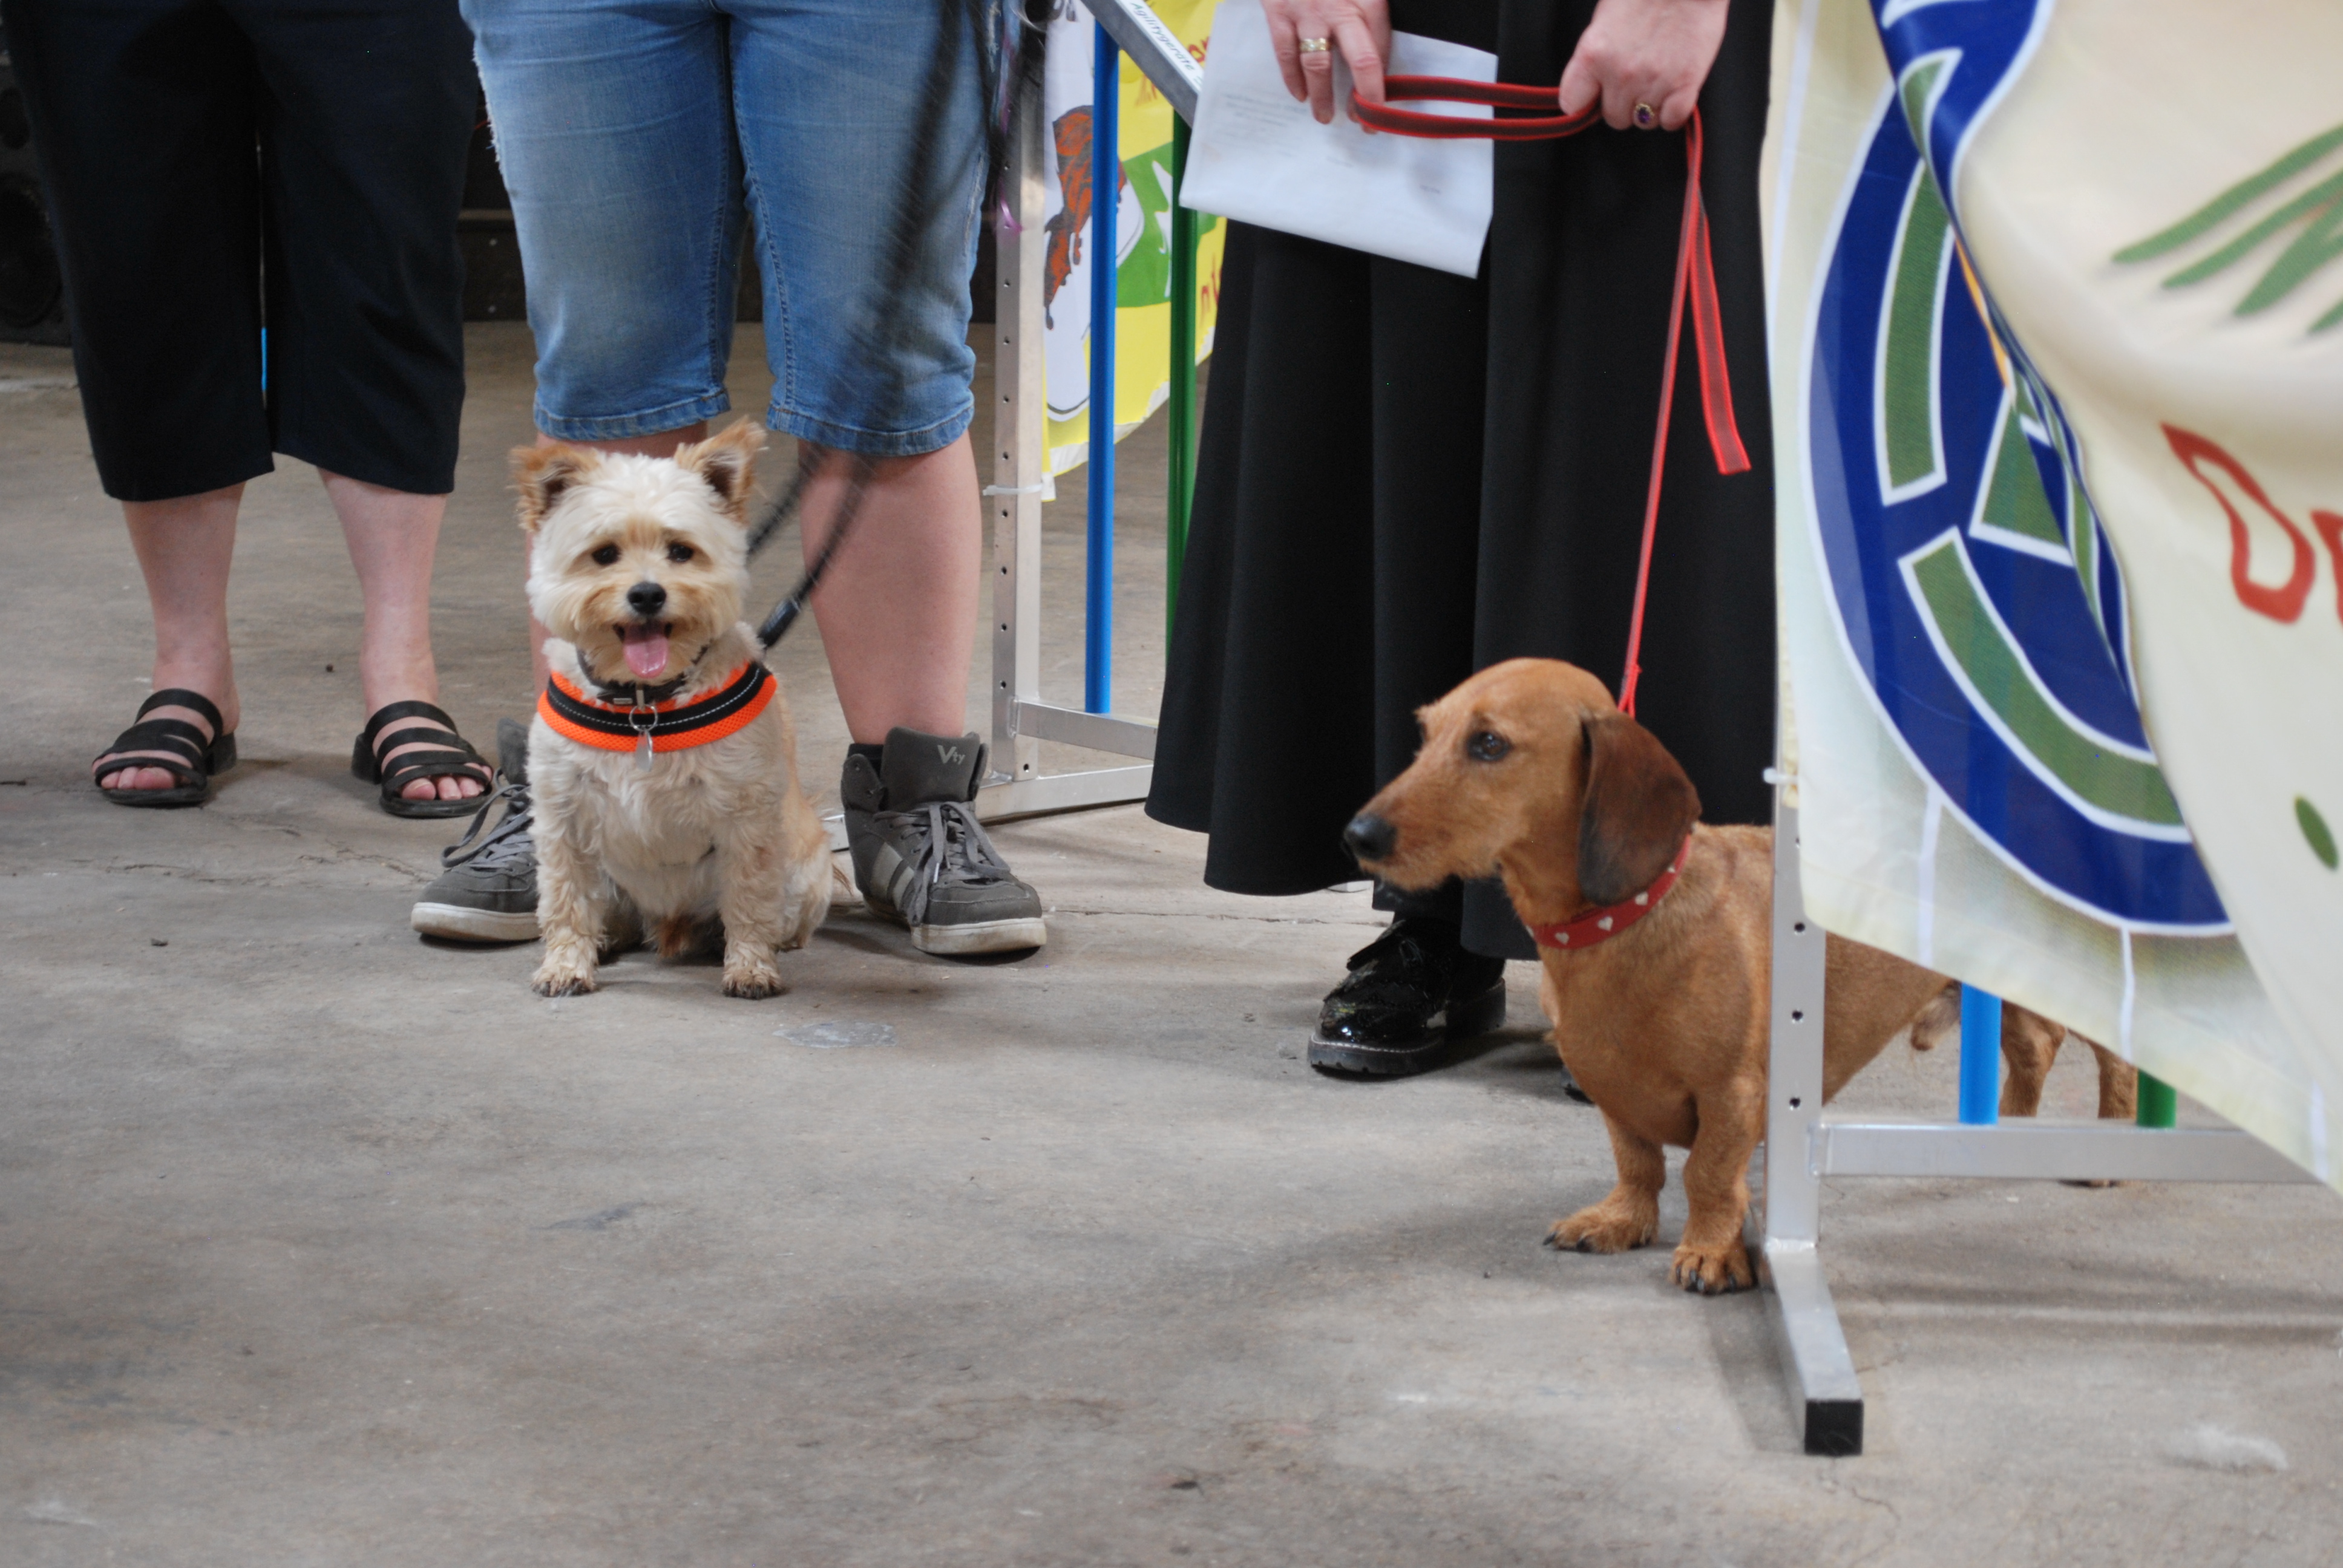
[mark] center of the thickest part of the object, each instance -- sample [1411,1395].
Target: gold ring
[1645,116]
[1316,46]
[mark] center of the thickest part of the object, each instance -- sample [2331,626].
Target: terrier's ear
[544,474]
[727,462]
[1638,805]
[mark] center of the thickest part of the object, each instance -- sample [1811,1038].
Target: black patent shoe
[1412,995]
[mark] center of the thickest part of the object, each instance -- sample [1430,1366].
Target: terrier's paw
[752,981]
[1712,1270]
[1606,1227]
[553,979]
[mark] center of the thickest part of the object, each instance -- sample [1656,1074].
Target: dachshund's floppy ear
[542,474]
[1637,807]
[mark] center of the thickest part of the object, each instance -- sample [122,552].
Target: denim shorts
[633,135]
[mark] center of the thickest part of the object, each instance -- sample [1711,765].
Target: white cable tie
[1016,489]
[1777,778]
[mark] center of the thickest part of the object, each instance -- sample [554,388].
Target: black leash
[1023,26]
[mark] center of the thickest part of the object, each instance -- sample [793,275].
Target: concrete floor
[323,1245]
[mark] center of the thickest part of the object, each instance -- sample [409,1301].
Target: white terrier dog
[663,764]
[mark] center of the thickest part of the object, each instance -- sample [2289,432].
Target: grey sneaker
[487,893]
[919,857]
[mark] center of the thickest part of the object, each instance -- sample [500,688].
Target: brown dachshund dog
[2029,1045]
[1529,771]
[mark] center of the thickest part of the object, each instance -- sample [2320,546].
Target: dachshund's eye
[1486,746]
[680,553]
[607,555]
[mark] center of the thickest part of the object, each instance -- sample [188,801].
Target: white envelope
[1258,156]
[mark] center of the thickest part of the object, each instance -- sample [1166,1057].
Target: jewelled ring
[1646,115]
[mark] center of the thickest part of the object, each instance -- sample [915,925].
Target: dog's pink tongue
[645,650]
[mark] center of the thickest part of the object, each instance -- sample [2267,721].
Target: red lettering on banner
[2285,602]
[2331,529]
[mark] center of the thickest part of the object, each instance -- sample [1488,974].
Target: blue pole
[1980,1058]
[1106,188]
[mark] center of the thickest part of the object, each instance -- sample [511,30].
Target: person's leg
[363,178]
[897,606]
[183,548]
[617,153]
[632,312]
[362,174]
[868,343]
[1419,990]
[861,130]
[143,119]
[392,535]
[616,145]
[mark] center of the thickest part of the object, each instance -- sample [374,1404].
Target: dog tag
[643,753]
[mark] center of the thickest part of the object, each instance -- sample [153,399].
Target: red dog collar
[1601,925]
[647,726]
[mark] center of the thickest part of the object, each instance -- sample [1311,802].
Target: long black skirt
[1406,476]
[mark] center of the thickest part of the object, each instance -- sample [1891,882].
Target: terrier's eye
[607,555]
[1486,746]
[679,553]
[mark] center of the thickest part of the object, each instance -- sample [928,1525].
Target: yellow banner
[1142,364]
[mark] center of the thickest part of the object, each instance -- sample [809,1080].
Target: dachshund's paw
[752,981]
[1712,1270]
[1606,1227]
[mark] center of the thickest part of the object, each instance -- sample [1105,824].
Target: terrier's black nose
[646,599]
[1370,838]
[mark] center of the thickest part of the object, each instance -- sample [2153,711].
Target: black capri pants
[192,149]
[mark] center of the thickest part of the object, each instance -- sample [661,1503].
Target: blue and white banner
[2059,388]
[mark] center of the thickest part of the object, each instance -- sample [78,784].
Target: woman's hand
[1360,30]
[1652,51]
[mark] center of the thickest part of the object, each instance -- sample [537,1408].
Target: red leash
[1696,280]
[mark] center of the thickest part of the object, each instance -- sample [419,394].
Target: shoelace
[505,843]
[953,844]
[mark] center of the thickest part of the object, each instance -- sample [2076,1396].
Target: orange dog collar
[644,727]
[1597,926]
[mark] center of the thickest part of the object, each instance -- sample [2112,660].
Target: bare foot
[155,778]
[452,786]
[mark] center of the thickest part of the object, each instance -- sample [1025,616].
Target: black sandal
[447,755]
[173,745]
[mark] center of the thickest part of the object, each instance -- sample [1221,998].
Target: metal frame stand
[1020,719]
[1803,1147]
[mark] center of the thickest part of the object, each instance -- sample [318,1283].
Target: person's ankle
[214,680]
[382,682]
[1474,972]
